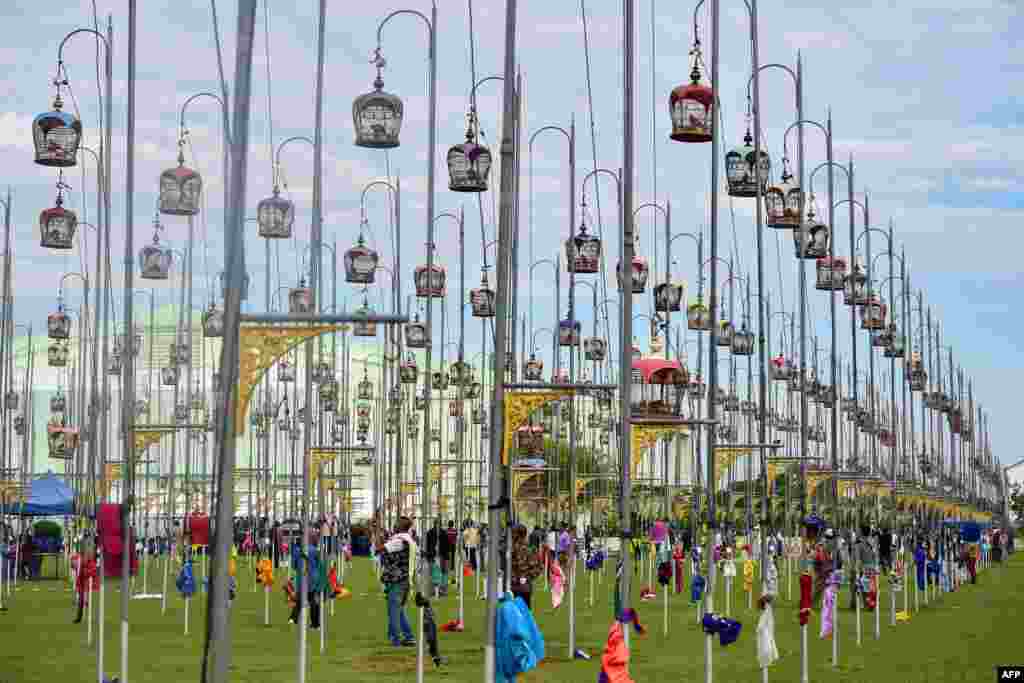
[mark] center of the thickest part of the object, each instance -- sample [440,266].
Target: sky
[919,95]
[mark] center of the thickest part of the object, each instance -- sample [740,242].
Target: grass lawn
[961,638]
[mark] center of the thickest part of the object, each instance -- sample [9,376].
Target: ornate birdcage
[322,372]
[745,174]
[719,396]
[178,353]
[604,438]
[748,408]
[430,283]
[469,163]
[482,299]
[872,314]
[420,402]
[19,425]
[830,274]
[474,391]
[583,252]
[784,201]
[816,434]
[855,289]
[364,390]
[181,413]
[57,355]
[895,348]
[58,324]
[726,332]
[882,338]
[781,369]
[460,374]
[658,389]
[141,407]
[62,441]
[328,391]
[58,403]
[639,271]
[56,135]
[363,408]
[696,388]
[416,334]
[569,332]
[533,369]
[668,297]
[300,299]
[479,416]
[692,107]
[916,375]
[727,433]
[377,115]
[213,322]
[595,348]
[57,225]
[826,395]
[275,216]
[181,188]
[155,259]
[594,421]
[364,327]
[560,376]
[698,317]
[285,372]
[11,400]
[811,239]
[361,263]
[328,405]
[169,375]
[435,434]
[530,441]
[732,402]
[408,372]
[742,342]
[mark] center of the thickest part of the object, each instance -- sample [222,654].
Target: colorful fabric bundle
[646,593]
[728,630]
[806,586]
[519,645]
[767,651]
[615,658]
[871,596]
[289,591]
[557,585]
[664,573]
[919,565]
[748,575]
[186,581]
[467,570]
[630,616]
[453,626]
[828,604]
[595,561]
[265,573]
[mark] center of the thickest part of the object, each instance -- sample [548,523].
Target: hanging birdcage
[328,391]
[657,389]
[430,283]
[895,349]
[213,322]
[811,239]
[727,433]
[57,402]
[455,409]
[56,135]
[19,425]
[181,189]
[530,441]
[61,441]
[698,317]
[816,434]
[408,372]
[322,372]
[390,427]
[830,274]
[363,408]
[435,434]
[57,225]
[726,331]
[300,299]
[732,402]
[749,408]
[781,370]
[328,405]
[57,355]
[469,163]
[569,332]
[275,216]
[872,314]
[482,299]
[363,327]
[692,107]
[11,400]
[155,259]
[696,388]
[583,252]
[178,353]
[377,115]
[416,334]
[783,202]
[58,324]
[474,391]
[916,375]
[439,381]
[595,348]
[533,369]
[639,271]
[364,390]
[742,342]
[181,413]
[560,376]
[420,402]
[855,289]
[479,416]
[745,174]
[882,338]
[141,407]
[460,374]
[668,297]
[361,263]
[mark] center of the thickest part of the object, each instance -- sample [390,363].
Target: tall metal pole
[572,399]
[802,367]
[626,306]
[712,353]
[128,381]
[497,496]
[218,642]
[834,362]
[855,441]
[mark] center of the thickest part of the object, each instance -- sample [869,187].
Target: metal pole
[218,643]
[497,497]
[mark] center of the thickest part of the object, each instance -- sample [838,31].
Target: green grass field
[961,638]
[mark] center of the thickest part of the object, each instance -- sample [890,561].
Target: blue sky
[920,95]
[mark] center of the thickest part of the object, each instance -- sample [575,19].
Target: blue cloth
[519,645]
[919,562]
[299,565]
[728,630]
[398,625]
[186,581]
[696,588]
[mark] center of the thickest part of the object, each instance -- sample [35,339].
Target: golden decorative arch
[520,477]
[260,346]
[642,437]
[144,438]
[724,459]
[517,408]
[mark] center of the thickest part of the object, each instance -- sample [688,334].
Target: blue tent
[47,496]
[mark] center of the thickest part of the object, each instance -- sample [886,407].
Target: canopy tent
[47,496]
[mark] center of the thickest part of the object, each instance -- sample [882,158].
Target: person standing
[526,566]
[452,545]
[397,556]
[471,539]
[302,562]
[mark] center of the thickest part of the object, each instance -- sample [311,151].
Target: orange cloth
[615,660]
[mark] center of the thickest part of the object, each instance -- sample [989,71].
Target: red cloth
[86,572]
[108,526]
[615,660]
[199,526]
[806,583]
